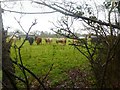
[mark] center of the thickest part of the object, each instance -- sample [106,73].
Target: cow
[80,41]
[76,42]
[31,40]
[48,40]
[61,40]
[19,37]
[95,39]
[13,39]
[38,40]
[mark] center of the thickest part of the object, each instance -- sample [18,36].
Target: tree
[106,31]
[7,65]
[8,70]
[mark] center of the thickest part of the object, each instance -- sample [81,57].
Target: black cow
[31,40]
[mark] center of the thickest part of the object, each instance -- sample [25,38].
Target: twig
[77,16]
[19,50]
[29,12]
[47,73]
[15,76]
[41,83]
[10,78]
[20,25]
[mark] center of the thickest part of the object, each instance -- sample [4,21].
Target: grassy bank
[39,58]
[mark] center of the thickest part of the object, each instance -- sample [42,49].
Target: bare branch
[29,71]
[29,12]
[20,25]
[33,23]
[47,73]
[77,16]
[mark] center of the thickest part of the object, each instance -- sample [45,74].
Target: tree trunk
[7,79]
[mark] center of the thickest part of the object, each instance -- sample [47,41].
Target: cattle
[31,40]
[80,41]
[76,42]
[38,40]
[19,37]
[95,39]
[61,40]
[13,39]
[48,40]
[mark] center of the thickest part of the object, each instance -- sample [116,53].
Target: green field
[39,59]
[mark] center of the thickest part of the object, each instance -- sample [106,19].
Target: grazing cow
[38,40]
[31,40]
[13,39]
[48,40]
[61,40]
[95,39]
[79,41]
[76,42]
[19,37]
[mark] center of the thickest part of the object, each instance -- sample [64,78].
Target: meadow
[39,59]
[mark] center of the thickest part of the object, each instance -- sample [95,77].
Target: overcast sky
[26,20]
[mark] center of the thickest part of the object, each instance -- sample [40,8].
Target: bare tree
[107,41]
[9,77]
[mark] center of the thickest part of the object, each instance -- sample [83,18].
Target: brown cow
[48,40]
[61,40]
[38,40]
[79,41]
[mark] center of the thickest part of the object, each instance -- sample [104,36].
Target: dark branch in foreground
[19,65]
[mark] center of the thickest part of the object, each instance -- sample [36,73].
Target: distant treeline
[41,34]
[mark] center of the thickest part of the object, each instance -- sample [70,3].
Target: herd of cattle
[39,40]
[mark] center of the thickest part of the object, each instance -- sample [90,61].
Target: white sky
[26,20]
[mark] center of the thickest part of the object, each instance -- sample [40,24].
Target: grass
[39,58]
